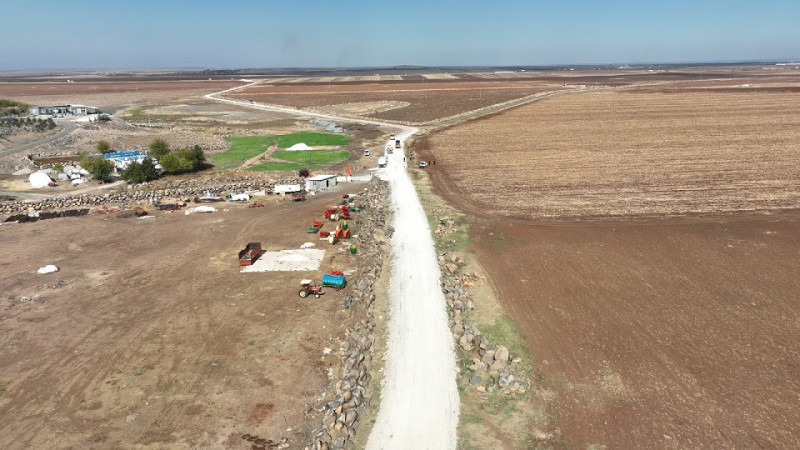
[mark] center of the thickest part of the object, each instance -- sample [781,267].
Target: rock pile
[151,193]
[493,367]
[347,394]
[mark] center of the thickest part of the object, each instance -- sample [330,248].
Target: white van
[366,152]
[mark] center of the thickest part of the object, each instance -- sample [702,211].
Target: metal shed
[320,182]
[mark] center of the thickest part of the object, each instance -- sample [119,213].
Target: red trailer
[250,254]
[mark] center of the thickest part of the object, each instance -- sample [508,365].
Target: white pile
[287,261]
[50,268]
[299,146]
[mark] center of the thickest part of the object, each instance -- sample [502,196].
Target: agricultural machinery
[307,287]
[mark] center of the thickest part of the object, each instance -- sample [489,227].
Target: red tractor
[307,287]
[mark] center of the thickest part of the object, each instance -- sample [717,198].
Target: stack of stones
[493,367]
[347,395]
[150,194]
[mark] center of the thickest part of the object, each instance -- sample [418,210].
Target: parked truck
[381,161]
[250,254]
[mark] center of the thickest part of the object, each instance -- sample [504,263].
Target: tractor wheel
[303,293]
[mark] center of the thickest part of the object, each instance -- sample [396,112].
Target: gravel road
[419,399]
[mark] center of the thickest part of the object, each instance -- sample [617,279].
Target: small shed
[320,182]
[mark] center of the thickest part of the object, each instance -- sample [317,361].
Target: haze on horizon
[273,34]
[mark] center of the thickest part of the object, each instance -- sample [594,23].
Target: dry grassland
[628,152]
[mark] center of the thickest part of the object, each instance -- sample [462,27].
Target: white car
[423,164]
[366,152]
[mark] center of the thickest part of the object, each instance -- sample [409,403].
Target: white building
[320,183]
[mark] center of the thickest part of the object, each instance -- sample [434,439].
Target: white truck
[381,161]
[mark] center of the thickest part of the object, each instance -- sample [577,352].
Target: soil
[414,103]
[652,331]
[150,335]
[660,334]
[675,153]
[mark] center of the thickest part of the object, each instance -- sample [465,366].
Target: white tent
[39,179]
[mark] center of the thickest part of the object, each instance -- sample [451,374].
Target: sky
[352,33]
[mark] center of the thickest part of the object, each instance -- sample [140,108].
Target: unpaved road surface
[419,398]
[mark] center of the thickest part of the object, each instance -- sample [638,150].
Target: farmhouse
[320,182]
[76,110]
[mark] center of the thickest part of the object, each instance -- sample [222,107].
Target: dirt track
[155,337]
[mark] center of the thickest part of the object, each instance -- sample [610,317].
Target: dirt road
[68,127]
[420,402]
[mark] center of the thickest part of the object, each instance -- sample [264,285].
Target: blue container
[337,281]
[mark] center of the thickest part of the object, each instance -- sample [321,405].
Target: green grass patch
[312,139]
[280,167]
[246,147]
[504,330]
[242,149]
[313,156]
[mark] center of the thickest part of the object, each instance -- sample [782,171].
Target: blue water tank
[337,281]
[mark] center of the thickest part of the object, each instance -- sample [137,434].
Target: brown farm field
[646,241]
[110,93]
[150,336]
[417,102]
[627,153]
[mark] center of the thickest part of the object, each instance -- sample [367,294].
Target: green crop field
[246,147]
[312,139]
[313,156]
[279,167]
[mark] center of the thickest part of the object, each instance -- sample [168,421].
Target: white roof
[320,177]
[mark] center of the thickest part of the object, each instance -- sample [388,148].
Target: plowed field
[425,100]
[624,152]
[652,331]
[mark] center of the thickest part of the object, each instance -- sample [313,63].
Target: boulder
[501,354]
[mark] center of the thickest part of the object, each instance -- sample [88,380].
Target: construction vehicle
[397,143]
[307,287]
[250,254]
[381,161]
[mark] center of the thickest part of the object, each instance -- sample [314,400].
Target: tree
[103,147]
[149,169]
[137,172]
[100,168]
[58,167]
[158,148]
[191,159]
[170,163]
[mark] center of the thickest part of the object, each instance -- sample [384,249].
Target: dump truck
[249,254]
[381,161]
[397,143]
